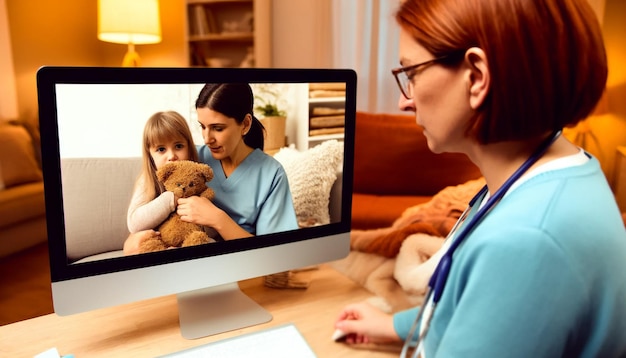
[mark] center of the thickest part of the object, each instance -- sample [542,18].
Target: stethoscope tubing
[439,277]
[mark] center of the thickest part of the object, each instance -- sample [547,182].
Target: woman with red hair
[537,266]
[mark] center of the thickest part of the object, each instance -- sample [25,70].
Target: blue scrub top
[256,195]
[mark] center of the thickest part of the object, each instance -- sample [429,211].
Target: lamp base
[131,59]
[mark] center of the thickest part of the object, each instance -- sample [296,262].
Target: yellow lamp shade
[129,21]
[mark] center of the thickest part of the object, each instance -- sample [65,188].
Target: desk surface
[150,328]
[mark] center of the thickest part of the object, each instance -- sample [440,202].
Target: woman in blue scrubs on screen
[538,266]
[252,194]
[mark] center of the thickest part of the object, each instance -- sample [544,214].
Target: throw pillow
[311,175]
[17,157]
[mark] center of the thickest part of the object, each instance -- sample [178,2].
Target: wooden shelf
[228,33]
[321,138]
[327,100]
[192,2]
[225,36]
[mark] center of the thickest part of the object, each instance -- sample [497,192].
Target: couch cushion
[18,163]
[380,211]
[21,203]
[391,157]
[22,235]
[96,194]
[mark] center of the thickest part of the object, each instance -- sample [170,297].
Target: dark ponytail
[234,100]
[256,135]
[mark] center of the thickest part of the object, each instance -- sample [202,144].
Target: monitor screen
[92,122]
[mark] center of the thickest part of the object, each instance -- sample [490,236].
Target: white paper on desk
[277,342]
[50,353]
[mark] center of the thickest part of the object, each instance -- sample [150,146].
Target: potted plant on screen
[267,99]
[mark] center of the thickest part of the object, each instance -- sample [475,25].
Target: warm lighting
[582,134]
[8,89]
[602,107]
[132,22]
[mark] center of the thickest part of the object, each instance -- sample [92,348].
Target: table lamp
[132,22]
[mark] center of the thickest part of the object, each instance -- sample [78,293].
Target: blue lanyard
[440,276]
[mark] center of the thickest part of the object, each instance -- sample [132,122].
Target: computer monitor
[91,122]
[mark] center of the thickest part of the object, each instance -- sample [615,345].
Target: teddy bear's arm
[208,193]
[178,193]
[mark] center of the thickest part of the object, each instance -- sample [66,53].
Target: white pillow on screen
[311,175]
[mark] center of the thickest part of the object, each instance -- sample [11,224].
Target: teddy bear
[184,178]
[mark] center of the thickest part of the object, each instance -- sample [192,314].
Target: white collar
[572,160]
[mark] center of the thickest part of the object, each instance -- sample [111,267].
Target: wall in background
[611,127]
[8,94]
[121,137]
[608,127]
[63,33]
[614,36]
[301,34]
[46,33]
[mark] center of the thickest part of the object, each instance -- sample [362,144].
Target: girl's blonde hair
[162,127]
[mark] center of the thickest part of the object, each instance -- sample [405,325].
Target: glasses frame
[403,70]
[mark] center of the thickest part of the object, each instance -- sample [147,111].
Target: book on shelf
[197,55]
[211,21]
[198,21]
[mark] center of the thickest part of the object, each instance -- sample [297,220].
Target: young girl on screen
[166,138]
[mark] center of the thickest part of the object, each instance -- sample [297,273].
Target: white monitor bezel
[107,278]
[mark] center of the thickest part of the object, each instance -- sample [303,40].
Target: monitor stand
[216,310]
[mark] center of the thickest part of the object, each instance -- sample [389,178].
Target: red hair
[546,59]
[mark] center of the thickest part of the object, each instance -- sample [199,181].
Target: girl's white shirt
[147,213]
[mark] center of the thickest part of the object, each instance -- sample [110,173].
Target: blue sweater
[543,275]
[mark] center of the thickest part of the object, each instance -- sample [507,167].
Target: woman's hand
[364,323]
[202,211]
[131,245]
[198,210]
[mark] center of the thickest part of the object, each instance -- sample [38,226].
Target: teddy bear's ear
[165,171]
[207,172]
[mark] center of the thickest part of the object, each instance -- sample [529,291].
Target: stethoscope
[439,277]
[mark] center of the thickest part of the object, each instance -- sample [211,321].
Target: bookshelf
[326,112]
[316,113]
[229,33]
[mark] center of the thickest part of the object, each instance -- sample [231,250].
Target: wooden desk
[150,328]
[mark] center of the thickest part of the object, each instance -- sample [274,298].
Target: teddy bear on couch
[185,179]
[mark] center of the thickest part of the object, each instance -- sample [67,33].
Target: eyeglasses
[405,82]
